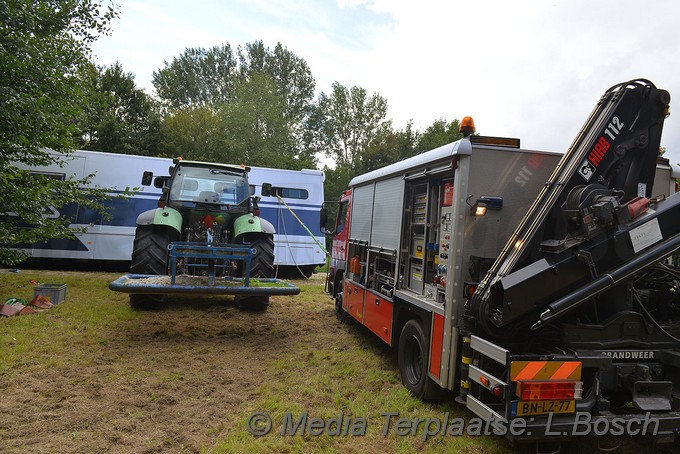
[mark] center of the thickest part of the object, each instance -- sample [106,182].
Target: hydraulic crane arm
[594,198]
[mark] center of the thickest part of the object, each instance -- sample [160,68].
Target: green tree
[388,148]
[346,122]
[261,97]
[291,74]
[439,133]
[255,129]
[208,77]
[250,129]
[44,48]
[198,77]
[337,180]
[193,133]
[121,117]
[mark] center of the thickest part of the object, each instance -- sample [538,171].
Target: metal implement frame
[136,283]
[212,253]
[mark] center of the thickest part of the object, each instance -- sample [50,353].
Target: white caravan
[111,239]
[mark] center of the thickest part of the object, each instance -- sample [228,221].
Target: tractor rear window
[208,185]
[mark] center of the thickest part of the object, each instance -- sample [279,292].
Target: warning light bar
[549,389]
[496,141]
[467,129]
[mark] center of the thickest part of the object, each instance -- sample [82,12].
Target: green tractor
[207,205]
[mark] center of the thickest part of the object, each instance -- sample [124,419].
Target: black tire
[414,350]
[338,283]
[261,265]
[257,303]
[150,250]
[262,262]
[150,256]
[146,302]
[338,303]
[339,310]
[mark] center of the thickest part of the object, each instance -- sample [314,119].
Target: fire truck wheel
[413,354]
[339,311]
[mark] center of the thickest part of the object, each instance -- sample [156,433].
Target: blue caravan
[111,239]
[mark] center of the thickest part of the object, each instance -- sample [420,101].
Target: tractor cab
[209,184]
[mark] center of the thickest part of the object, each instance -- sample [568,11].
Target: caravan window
[291,193]
[52,175]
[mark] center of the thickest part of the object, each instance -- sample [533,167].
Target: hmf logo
[600,148]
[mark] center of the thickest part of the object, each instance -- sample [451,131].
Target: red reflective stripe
[436,343]
[565,370]
[530,370]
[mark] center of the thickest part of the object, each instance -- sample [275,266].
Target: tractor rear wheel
[261,265]
[150,256]
[262,262]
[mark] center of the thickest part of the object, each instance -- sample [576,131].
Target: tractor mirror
[327,217]
[266,189]
[159,182]
[147,177]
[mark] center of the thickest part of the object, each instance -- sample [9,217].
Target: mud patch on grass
[173,381]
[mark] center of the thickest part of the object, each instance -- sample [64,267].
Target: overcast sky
[525,68]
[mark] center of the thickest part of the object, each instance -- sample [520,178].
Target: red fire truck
[530,285]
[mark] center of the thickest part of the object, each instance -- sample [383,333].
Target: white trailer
[111,239]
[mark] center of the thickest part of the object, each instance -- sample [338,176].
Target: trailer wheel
[413,355]
[261,265]
[307,271]
[150,256]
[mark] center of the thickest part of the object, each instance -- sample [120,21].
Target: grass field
[92,375]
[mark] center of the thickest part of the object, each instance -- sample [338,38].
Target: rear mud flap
[652,395]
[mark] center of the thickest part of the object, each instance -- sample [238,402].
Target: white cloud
[530,69]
